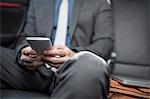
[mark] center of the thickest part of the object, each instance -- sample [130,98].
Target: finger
[26,58]
[34,64]
[33,56]
[48,53]
[56,60]
[55,65]
[28,50]
[54,52]
[61,53]
[29,59]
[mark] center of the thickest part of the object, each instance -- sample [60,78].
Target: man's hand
[30,59]
[57,55]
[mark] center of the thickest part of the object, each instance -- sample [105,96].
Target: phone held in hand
[39,44]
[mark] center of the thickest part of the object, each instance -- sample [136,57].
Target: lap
[83,60]
[74,70]
[84,69]
[21,78]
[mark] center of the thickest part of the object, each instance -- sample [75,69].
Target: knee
[95,70]
[92,65]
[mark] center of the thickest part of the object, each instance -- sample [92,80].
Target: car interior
[130,61]
[13,13]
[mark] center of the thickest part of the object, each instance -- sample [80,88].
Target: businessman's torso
[83,19]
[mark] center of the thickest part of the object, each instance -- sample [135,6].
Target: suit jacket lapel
[74,17]
[50,16]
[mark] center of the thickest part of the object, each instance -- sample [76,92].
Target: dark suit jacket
[91,27]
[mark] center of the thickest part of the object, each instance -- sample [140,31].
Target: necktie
[61,31]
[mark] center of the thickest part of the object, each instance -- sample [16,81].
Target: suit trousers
[85,76]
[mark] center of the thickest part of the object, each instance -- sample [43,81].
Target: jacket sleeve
[102,39]
[29,28]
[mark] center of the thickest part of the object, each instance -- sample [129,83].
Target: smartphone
[39,44]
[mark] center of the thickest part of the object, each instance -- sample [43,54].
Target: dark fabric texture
[84,78]
[132,31]
[21,78]
[12,21]
[133,71]
[11,24]
[91,26]
[19,94]
[87,77]
[16,1]
[132,47]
